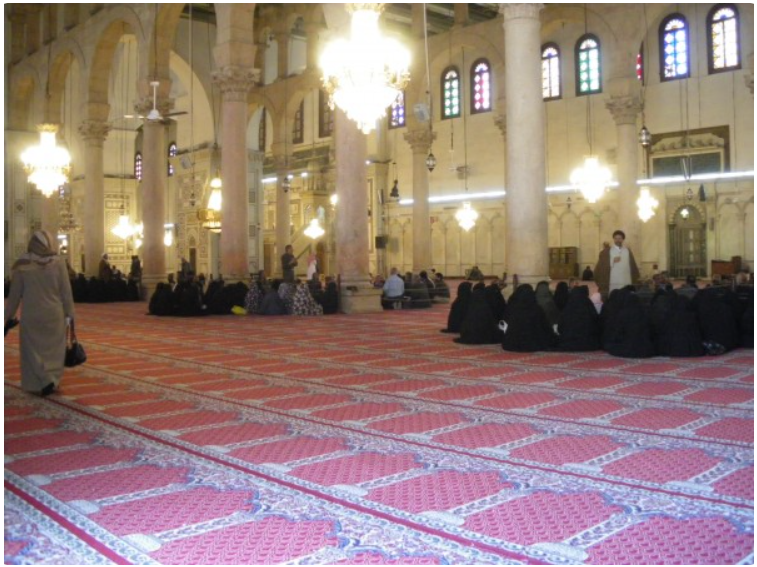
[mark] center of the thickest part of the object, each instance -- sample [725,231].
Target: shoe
[47,390]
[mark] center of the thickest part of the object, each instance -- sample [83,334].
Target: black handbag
[75,354]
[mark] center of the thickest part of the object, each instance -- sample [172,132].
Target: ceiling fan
[154,114]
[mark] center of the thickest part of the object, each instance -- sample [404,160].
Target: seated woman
[161,302]
[188,298]
[272,303]
[562,293]
[227,297]
[547,303]
[627,331]
[717,321]
[528,329]
[480,327]
[303,303]
[497,303]
[681,336]
[254,298]
[286,293]
[417,291]
[578,326]
[441,289]
[330,299]
[459,308]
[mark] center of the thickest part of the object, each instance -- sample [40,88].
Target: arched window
[723,38]
[640,63]
[298,128]
[138,166]
[325,116]
[550,72]
[397,112]
[481,87]
[674,48]
[451,93]
[588,66]
[262,130]
[172,151]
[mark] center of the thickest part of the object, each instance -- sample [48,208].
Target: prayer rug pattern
[251,440]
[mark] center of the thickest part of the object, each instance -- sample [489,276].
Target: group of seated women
[714,321]
[96,290]
[299,298]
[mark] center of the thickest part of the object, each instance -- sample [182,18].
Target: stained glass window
[262,131]
[298,128]
[451,93]
[397,112]
[674,48]
[138,166]
[723,39]
[640,64]
[325,116]
[172,151]
[589,66]
[481,87]
[550,72]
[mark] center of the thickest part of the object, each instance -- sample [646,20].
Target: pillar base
[360,300]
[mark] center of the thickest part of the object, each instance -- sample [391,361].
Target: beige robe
[45,292]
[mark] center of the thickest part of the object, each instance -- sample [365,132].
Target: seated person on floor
[528,329]
[441,289]
[272,303]
[417,291]
[578,326]
[188,298]
[330,298]
[303,303]
[480,326]
[459,308]
[394,290]
[547,303]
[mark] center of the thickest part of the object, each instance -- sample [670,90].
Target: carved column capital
[94,132]
[235,82]
[624,109]
[420,140]
[520,11]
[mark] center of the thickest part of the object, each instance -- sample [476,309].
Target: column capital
[94,132]
[144,105]
[520,11]
[420,140]
[624,109]
[235,82]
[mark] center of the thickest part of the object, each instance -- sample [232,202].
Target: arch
[101,67]
[672,218]
[24,81]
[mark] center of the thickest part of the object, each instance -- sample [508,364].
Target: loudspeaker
[381,242]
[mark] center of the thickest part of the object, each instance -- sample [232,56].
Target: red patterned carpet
[372,440]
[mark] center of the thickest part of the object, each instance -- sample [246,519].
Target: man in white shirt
[616,267]
[394,287]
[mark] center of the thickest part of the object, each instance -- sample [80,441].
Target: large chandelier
[47,165]
[591,179]
[466,216]
[647,204]
[124,228]
[364,74]
[314,230]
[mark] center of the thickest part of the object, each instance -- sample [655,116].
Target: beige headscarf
[40,250]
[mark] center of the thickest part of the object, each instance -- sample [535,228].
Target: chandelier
[210,217]
[124,228]
[364,74]
[591,179]
[466,216]
[47,165]
[647,204]
[314,230]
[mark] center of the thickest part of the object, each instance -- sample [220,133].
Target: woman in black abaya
[528,329]
[578,327]
[562,293]
[628,332]
[497,303]
[459,308]
[681,335]
[547,303]
[479,327]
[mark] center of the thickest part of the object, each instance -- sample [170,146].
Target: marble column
[420,141]
[625,111]
[93,133]
[153,186]
[283,215]
[234,83]
[526,235]
[352,249]
[282,42]
[50,213]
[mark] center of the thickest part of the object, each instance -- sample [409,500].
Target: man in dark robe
[528,329]
[288,263]
[459,308]
[479,327]
[578,327]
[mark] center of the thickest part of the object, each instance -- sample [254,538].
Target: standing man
[616,267]
[288,262]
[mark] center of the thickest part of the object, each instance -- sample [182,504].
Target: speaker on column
[381,242]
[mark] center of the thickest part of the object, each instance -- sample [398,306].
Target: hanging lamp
[647,204]
[314,229]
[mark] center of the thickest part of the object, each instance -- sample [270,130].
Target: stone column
[282,42]
[420,142]
[625,110]
[352,250]
[283,216]
[526,235]
[93,133]
[152,252]
[235,83]
[312,31]
[50,214]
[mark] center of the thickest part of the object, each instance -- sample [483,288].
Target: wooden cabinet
[563,263]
